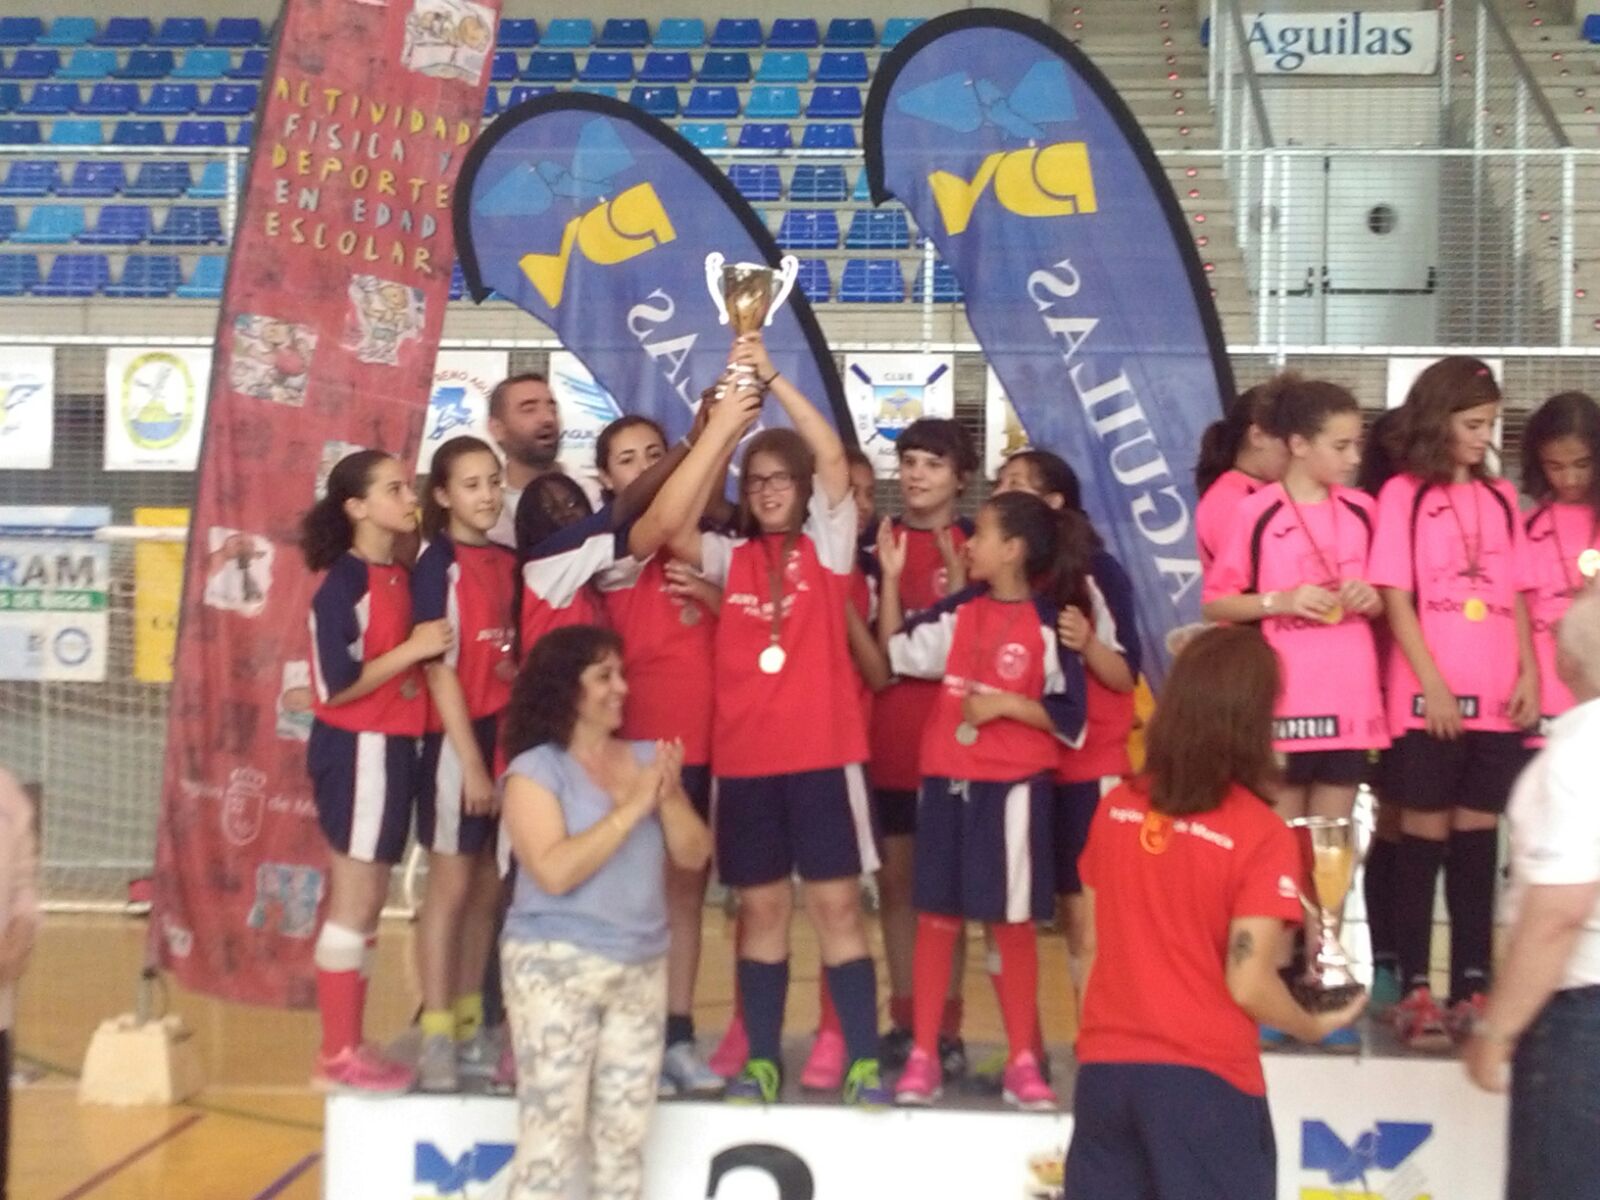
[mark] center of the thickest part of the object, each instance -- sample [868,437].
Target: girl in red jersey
[789,742]
[1237,456]
[466,579]
[1192,881]
[1560,448]
[369,710]
[1462,680]
[1008,700]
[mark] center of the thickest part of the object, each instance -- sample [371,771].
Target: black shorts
[697,786]
[895,810]
[1422,773]
[1074,809]
[1341,768]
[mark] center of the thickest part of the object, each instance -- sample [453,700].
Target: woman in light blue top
[592,820]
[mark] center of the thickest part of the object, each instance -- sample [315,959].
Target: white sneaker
[684,1073]
[436,1065]
[478,1056]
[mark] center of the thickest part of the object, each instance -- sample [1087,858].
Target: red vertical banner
[337,285]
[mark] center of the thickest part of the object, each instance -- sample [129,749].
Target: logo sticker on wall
[155,408]
[887,392]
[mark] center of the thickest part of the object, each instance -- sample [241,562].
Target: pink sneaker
[504,1080]
[921,1082]
[362,1068]
[732,1052]
[1024,1087]
[824,1069]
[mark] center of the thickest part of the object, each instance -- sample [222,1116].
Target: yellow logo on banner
[632,223]
[157,586]
[1043,181]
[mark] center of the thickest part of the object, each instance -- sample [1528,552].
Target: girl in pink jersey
[1462,680]
[1559,471]
[1237,456]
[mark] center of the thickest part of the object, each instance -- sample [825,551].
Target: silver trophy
[1328,857]
[747,296]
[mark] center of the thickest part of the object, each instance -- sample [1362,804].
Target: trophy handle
[714,262]
[788,272]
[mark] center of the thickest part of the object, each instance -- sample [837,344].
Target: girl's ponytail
[325,530]
[1222,440]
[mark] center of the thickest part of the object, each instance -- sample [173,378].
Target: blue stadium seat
[872,281]
[517,33]
[159,180]
[835,104]
[125,31]
[151,276]
[252,65]
[76,132]
[20,133]
[19,274]
[661,67]
[458,282]
[491,102]
[237,32]
[681,33]
[180,32]
[945,288]
[111,100]
[89,63]
[624,33]
[793,33]
[171,100]
[503,67]
[213,181]
[657,101]
[763,136]
[809,229]
[885,230]
[31,64]
[551,66]
[97,179]
[189,225]
[737,33]
[842,66]
[707,135]
[607,67]
[206,281]
[50,100]
[52,225]
[851,31]
[784,66]
[895,28]
[30,179]
[597,89]
[244,132]
[10,97]
[725,67]
[1591,27]
[20,31]
[204,62]
[230,100]
[756,182]
[813,280]
[138,133]
[8,221]
[829,137]
[773,103]
[524,91]
[818,184]
[69,31]
[200,133]
[573,32]
[75,275]
[119,225]
[145,64]
[862,192]
[711,103]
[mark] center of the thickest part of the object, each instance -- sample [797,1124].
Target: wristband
[767,383]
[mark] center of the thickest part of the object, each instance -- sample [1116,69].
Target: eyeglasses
[778,481]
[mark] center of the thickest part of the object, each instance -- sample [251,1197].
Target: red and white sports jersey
[1213,516]
[1110,714]
[975,643]
[556,580]
[473,587]
[363,610]
[668,647]
[901,710]
[807,717]
[1556,535]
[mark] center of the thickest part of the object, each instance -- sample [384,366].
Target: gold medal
[1589,563]
[966,733]
[1334,615]
[1475,609]
[771,659]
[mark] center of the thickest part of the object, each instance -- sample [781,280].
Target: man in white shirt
[525,423]
[1543,1016]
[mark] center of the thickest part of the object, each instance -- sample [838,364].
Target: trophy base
[1318,997]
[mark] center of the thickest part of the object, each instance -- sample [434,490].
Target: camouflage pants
[588,1038]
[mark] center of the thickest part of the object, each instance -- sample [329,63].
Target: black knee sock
[763,988]
[1469,895]
[680,1028]
[854,987]
[1416,875]
[1378,891]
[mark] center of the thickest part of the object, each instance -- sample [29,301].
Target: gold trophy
[747,295]
[1328,856]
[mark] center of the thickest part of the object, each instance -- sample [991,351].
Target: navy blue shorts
[1337,768]
[1075,805]
[895,810]
[1154,1131]
[365,785]
[984,850]
[1422,773]
[816,823]
[442,827]
[697,786]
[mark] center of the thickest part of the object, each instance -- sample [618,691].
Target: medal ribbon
[775,566]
